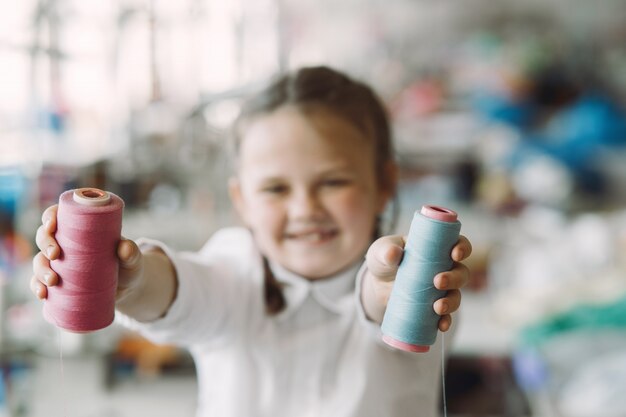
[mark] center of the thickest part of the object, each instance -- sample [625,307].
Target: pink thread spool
[89,224]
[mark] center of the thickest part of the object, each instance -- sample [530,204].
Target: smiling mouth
[312,236]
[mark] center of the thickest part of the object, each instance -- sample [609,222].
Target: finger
[445,322]
[46,243]
[454,279]
[44,237]
[42,271]
[129,255]
[448,304]
[461,250]
[38,288]
[49,218]
[384,256]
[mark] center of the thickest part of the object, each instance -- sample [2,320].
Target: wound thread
[410,322]
[89,224]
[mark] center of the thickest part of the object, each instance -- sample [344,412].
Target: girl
[283,317]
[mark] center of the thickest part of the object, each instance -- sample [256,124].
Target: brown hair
[321,88]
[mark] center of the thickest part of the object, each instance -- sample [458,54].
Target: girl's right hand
[383,259]
[130,257]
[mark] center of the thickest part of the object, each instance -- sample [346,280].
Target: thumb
[384,256]
[129,255]
[131,267]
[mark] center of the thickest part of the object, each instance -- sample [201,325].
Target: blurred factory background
[512,113]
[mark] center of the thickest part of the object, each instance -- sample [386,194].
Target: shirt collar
[334,293]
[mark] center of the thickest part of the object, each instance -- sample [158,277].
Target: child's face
[308,190]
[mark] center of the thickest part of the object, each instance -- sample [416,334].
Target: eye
[335,182]
[274,189]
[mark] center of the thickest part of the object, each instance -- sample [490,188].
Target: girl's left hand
[383,259]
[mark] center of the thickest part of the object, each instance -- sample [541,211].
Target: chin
[313,272]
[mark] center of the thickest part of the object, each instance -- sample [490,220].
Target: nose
[305,204]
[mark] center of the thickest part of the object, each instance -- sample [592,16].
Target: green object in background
[583,317]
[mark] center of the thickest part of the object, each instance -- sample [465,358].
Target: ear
[388,184]
[236,196]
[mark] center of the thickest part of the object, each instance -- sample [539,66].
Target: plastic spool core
[409,347]
[439,213]
[91,197]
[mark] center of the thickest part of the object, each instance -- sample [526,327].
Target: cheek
[263,217]
[356,211]
[265,224]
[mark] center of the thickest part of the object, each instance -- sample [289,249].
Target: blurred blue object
[576,133]
[530,369]
[515,113]
[571,123]
[12,190]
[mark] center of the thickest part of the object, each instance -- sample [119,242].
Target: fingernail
[49,251]
[443,282]
[46,224]
[39,291]
[47,277]
[134,255]
[444,307]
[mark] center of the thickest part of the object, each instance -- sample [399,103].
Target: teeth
[310,237]
[313,237]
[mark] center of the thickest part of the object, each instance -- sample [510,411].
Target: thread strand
[443,374]
[62,366]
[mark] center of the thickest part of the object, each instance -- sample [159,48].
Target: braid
[273,290]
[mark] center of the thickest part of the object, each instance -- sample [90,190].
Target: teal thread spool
[410,323]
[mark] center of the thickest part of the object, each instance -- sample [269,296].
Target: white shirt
[318,357]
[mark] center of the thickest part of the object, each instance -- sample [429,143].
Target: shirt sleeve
[209,282]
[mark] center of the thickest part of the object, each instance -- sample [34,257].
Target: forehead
[314,136]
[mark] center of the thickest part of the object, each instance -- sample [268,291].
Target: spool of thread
[410,322]
[89,223]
